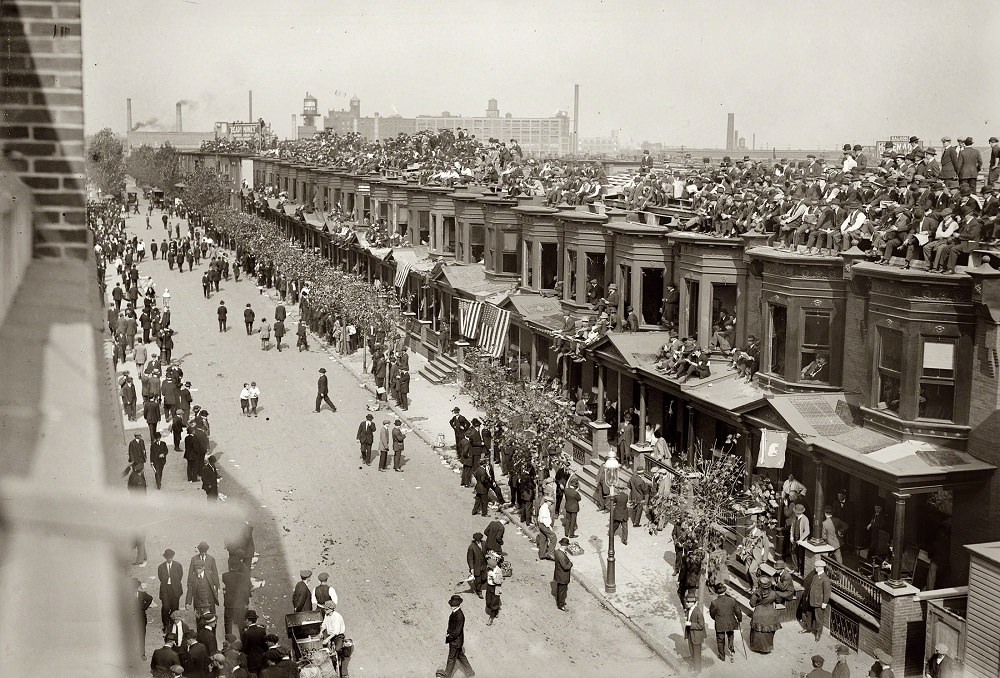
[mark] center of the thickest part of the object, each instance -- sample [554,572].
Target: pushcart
[315,660]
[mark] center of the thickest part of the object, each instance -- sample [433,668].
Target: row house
[902,415]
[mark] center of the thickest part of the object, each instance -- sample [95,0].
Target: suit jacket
[696,631]
[137,451]
[302,598]
[322,385]
[163,658]
[254,645]
[202,593]
[969,163]
[397,439]
[830,533]
[726,613]
[176,577]
[949,163]
[384,435]
[483,484]
[206,637]
[841,670]
[237,588]
[572,498]
[638,488]
[476,559]
[464,450]
[366,432]
[456,629]
[195,662]
[620,511]
[562,567]
[158,454]
[819,673]
[819,590]
[211,571]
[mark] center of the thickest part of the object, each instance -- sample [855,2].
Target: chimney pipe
[576,119]
[128,114]
[180,127]
[250,119]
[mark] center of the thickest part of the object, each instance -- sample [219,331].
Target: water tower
[310,110]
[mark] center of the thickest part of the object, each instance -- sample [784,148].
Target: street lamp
[609,578]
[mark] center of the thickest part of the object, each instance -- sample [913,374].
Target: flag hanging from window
[494,330]
[772,449]
[468,317]
[402,270]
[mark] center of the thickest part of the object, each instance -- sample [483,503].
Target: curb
[669,658]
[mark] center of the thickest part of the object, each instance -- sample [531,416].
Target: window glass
[817,329]
[937,401]
[939,359]
[888,393]
[891,349]
[778,328]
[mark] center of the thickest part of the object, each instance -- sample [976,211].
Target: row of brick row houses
[904,416]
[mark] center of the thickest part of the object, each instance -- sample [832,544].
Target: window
[477,238]
[652,295]
[491,236]
[777,329]
[890,365]
[937,380]
[814,363]
[424,225]
[529,265]
[449,234]
[550,265]
[569,288]
[510,249]
[625,275]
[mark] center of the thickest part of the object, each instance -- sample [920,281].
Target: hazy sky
[798,74]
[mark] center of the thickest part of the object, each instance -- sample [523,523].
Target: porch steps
[589,473]
[441,370]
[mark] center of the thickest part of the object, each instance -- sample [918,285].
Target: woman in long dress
[494,579]
[764,620]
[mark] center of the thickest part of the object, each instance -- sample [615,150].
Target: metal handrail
[855,587]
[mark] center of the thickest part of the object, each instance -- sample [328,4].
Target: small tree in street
[106,162]
[206,190]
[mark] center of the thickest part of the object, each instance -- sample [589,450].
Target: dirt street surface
[393,543]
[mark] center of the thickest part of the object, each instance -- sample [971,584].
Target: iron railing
[855,587]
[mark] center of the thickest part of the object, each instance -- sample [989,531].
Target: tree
[206,190]
[156,168]
[106,162]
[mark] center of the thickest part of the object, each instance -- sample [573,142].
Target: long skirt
[492,600]
[761,642]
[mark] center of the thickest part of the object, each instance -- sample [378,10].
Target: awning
[470,279]
[723,389]
[416,257]
[827,421]
[635,349]
[534,309]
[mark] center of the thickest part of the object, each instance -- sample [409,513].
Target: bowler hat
[169,553]
[477,536]
[203,546]
[564,542]
[455,600]
[322,370]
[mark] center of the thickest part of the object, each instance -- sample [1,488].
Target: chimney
[250,118]
[180,127]
[730,130]
[128,115]
[576,119]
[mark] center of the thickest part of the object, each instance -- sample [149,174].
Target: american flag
[402,270]
[494,333]
[468,316]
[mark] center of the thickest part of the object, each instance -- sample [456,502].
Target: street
[393,543]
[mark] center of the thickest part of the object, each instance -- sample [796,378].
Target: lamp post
[609,577]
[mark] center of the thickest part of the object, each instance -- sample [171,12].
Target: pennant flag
[772,449]
[468,316]
[494,331]
[402,270]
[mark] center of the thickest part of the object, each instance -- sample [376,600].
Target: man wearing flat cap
[818,670]
[206,560]
[302,595]
[455,640]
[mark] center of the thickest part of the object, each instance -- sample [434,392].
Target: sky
[796,74]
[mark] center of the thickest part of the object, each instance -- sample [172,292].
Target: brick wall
[41,67]
[855,372]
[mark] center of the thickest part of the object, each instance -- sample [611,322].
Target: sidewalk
[646,593]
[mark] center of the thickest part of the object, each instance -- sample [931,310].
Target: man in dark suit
[202,593]
[940,665]
[818,670]
[476,444]
[206,633]
[194,658]
[727,616]
[254,639]
[572,506]
[164,657]
[459,424]
[463,446]
[142,602]
[949,163]
[236,597]
[561,573]
[970,162]
[137,449]
[210,478]
[398,438]
[193,454]
[206,561]
[158,454]
[171,576]
[476,559]
[403,389]
[483,485]
[323,391]
[817,597]
[302,595]
[366,436]
[619,514]
[694,628]
[455,640]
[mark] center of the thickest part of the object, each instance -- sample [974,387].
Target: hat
[323,576]
[799,508]
[138,435]
[564,542]
[968,141]
[251,615]
[455,600]
[817,660]
[329,605]
[477,536]
[219,657]
[993,140]
[370,416]
[203,546]
[882,656]
[208,619]
[305,574]
[177,670]
[819,563]
[170,636]
[322,370]
[764,581]
[843,650]
[455,410]
[779,565]
[914,139]
[945,139]
[176,614]
[942,648]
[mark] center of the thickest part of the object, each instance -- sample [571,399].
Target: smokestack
[250,118]
[179,126]
[730,130]
[128,114]
[576,119]
[736,139]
